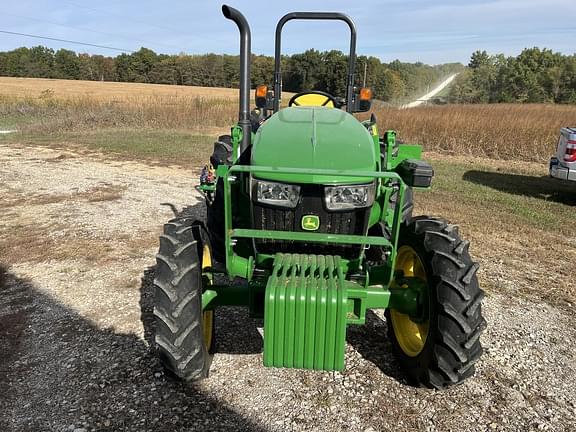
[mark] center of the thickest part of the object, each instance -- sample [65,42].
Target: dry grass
[50,105]
[54,106]
[79,114]
[103,91]
[516,132]
[504,131]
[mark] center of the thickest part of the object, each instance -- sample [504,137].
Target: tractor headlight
[279,194]
[349,197]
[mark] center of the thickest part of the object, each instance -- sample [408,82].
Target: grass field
[104,91]
[499,131]
[75,109]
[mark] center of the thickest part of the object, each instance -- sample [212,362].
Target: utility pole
[365,68]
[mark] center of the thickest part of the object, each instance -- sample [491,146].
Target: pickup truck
[563,164]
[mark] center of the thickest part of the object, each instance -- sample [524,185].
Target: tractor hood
[314,138]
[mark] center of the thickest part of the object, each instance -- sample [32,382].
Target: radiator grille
[311,203]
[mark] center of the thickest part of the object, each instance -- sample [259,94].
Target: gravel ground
[75,326]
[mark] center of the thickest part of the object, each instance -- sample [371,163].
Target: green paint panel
[305,313]
[314,138]
[309,237]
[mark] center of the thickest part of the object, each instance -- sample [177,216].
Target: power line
[66,40]
[172,30]
[88,30]
[124,17]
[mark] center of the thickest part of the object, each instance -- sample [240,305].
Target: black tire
[452,345]
[178,302]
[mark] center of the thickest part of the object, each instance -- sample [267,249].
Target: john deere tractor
[309,211]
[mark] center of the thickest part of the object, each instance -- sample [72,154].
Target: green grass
[15,121]
[162,146]
[519,223]
[8,122]
[525,198]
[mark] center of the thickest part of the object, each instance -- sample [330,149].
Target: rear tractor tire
[440,348]
[184,332]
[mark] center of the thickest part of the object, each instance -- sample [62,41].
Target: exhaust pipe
[245,54]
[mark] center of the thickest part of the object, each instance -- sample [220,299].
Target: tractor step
[305,313]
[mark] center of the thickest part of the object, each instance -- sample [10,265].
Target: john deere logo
[310,222]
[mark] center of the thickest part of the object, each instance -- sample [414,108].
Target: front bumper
[561,172]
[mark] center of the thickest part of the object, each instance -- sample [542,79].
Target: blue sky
[431,31]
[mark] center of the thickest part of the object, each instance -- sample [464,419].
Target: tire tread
[178,303]
[454,344]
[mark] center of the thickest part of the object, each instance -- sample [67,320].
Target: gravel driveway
[79,233]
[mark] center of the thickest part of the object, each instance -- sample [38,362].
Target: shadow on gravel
[372,343]
[235,332]
[60,372]
[544,188]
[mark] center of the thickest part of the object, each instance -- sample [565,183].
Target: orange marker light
[365,94]
[261,91]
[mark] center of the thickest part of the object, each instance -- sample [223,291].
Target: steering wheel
[313,98]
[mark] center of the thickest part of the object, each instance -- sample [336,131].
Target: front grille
[311,203]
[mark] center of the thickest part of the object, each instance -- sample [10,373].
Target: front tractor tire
[439,348]
[184,332]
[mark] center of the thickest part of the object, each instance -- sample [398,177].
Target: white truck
[563,164]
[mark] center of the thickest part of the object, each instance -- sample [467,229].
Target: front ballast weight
[308,304]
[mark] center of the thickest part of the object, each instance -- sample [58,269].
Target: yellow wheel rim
[411,336]
[207,316]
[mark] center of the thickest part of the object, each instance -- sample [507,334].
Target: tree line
[535,76]
[311,70]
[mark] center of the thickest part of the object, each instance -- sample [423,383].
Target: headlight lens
[349,197]
[279,194]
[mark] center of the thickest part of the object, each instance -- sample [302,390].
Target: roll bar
[315,16]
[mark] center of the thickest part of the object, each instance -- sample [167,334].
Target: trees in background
[535,75]
[311,70]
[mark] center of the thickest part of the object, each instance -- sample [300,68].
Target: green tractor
[309,225]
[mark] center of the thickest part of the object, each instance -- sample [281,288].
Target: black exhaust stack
[245,54]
